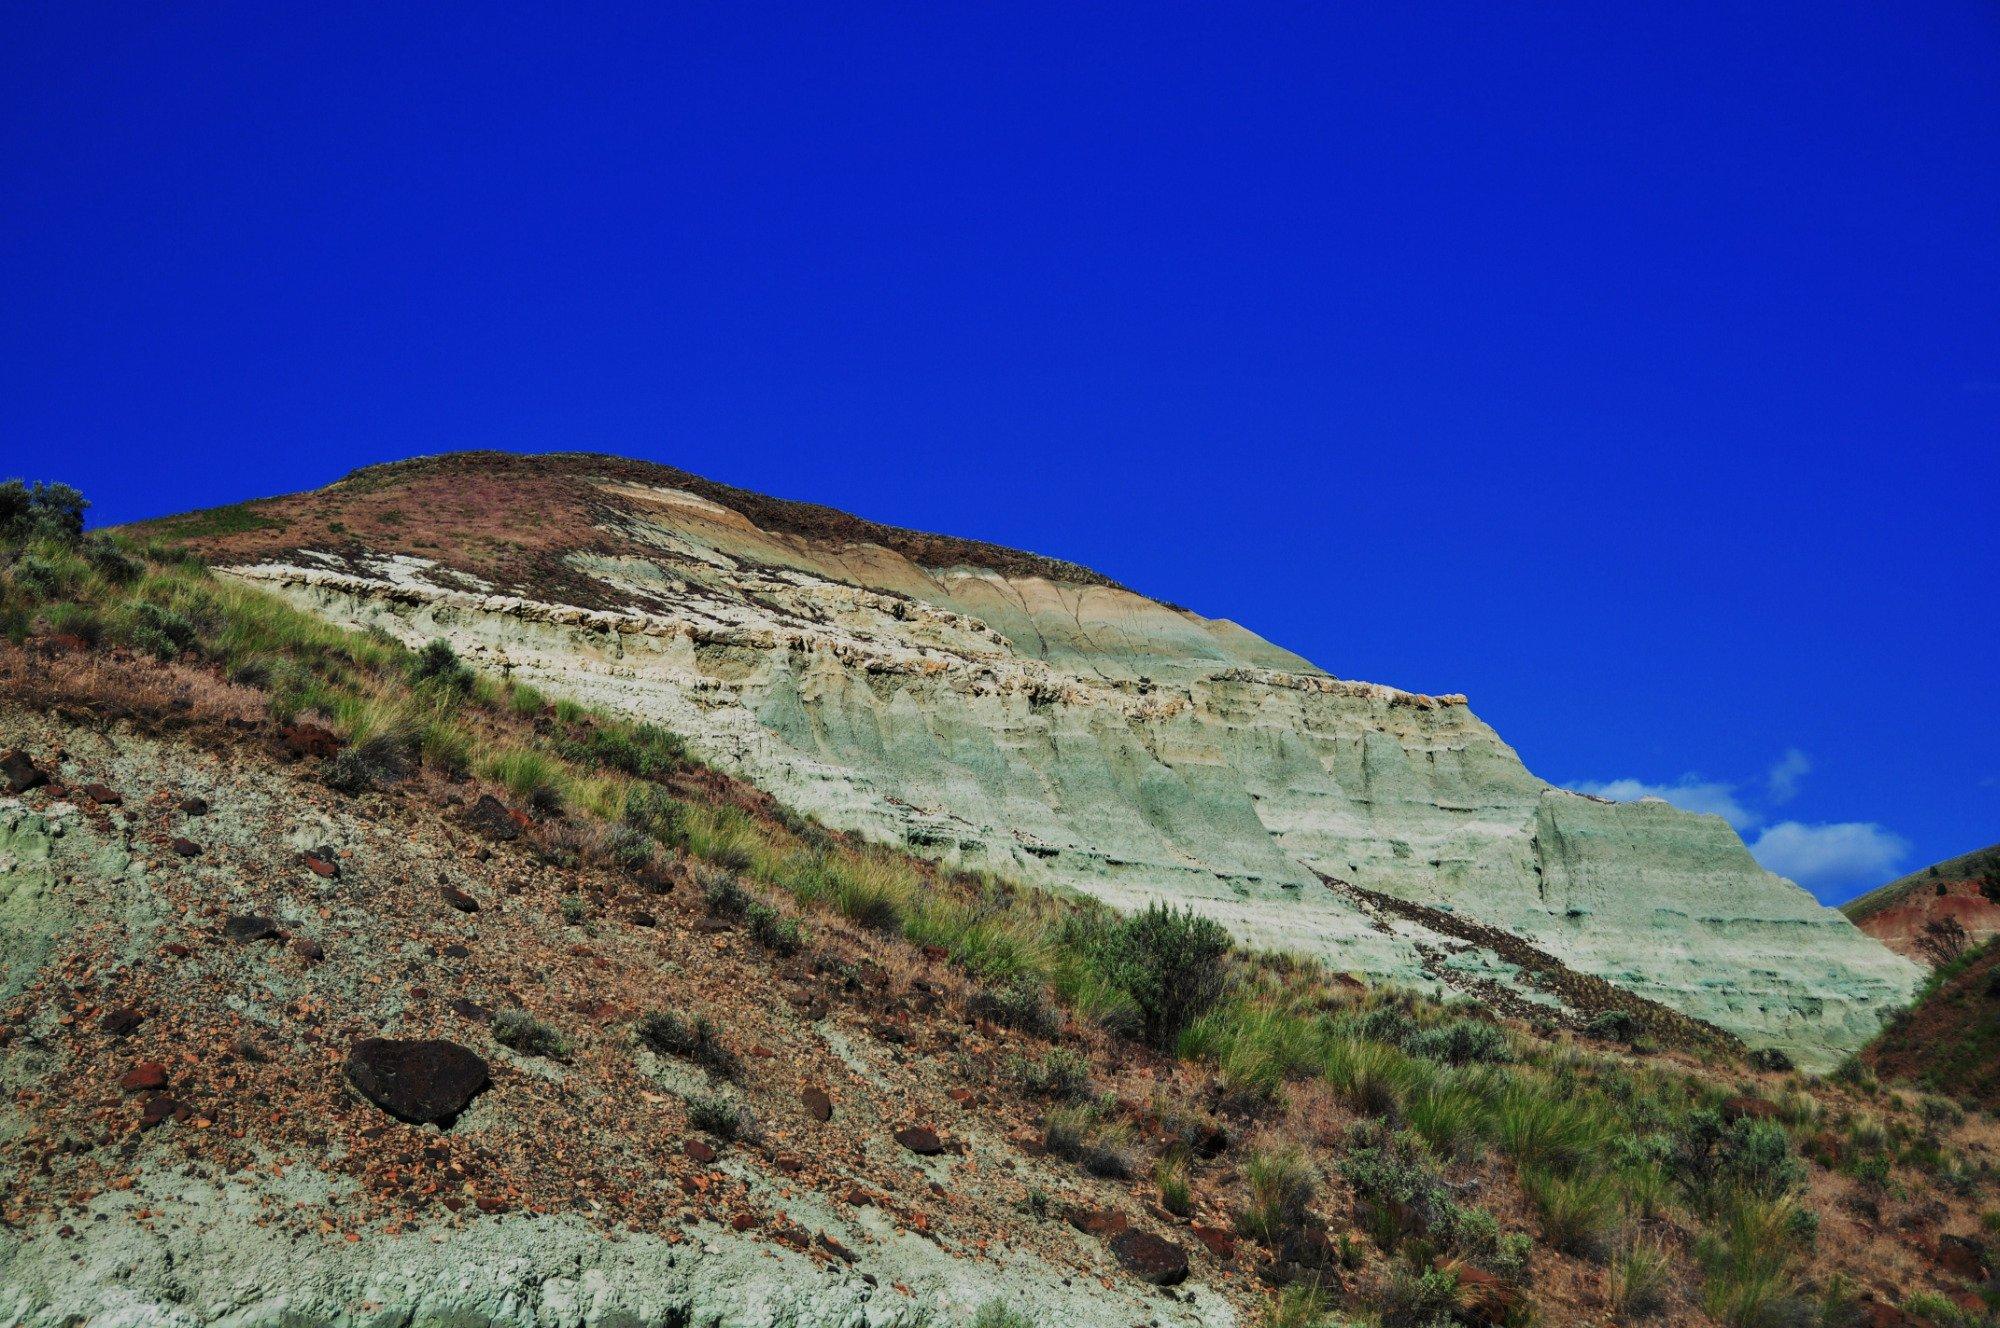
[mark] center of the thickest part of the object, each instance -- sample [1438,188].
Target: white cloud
[1831,858]
[1781,782]
[1689,793]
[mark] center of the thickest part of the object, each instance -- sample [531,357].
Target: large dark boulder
[18,773]
[1150,1258]
[490,817]
[417,1081]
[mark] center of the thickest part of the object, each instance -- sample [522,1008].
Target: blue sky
[1637,373]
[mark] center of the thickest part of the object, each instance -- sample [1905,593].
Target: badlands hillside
[342,983]
[1006,712]
[1930,914]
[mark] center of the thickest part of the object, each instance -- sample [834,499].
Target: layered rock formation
[1011,712]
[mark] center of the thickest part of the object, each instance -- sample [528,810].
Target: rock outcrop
[1010,712]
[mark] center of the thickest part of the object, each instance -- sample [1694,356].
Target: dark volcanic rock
[19,773]
[1150,1258]
[144,1078]
[321,866]
[103,796]
[308,949]
[246,927]
[490,817]
[418,1082]
[308,740]
[187,848]
[121,1021]
[920,1139]
[1095,1221]
[195,806]
[472,1010]
[157,1110]
[698,1151]
[458,899]
[818,1105]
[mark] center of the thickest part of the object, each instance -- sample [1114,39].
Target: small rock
[488,1204]
[699,1151]
[145,1077]
[458,899]
[921,1140]
[465,1009]
[319,866]
[102,796]
[836,1249]
[157,1110]
[644,919]
[187,848]
[308,949]
[246,927]
[195,806]
[176,949]
[302,740]
[859,1198]
[18,772]
[817,1103]
[962,1096]
[1748,1108]
[742,1222]
[417,1081]
[456,951]
[1095,1221]
[1150,1258]
[490,817]
[1220,1243]
[121,1021]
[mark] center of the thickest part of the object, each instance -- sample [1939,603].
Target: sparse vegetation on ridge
[1602,1152]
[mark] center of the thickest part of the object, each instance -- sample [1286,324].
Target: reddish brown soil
[508,518]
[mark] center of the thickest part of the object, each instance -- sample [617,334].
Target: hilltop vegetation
[1327,1152]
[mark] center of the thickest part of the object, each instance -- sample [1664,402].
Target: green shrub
[111,562]
[1613,1026]
[520,1031]
[1062,1074]
[525,700]
[777,932]
[1461,1042]
[1714,1158]
[1167,960]
[695,1040]
[721,1117]
[1022,1004]
[1420,1299]
[644,751]
[574,910]
[40,511]
[998,1313]
[725,897]
[159,630]
[438,664]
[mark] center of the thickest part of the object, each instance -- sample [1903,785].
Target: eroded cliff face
[1013,713]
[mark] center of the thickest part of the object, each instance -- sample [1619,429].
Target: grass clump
[517,1030]
[695,1040]
[1637,1280]
[1082,1135]
[1282,1185]
[1176,1187]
